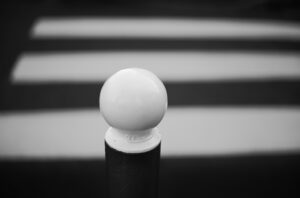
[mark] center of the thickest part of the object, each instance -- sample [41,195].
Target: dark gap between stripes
[222,93]
[206,44]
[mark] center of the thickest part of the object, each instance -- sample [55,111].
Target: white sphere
[133,99]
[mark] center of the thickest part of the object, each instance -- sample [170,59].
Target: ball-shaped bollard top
[133,99]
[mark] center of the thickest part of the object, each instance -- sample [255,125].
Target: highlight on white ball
[133,99]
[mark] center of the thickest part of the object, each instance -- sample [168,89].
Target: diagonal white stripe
[169,66]
[186,131]
[84,27]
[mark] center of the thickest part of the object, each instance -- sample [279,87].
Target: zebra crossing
[227,101]
[232,74]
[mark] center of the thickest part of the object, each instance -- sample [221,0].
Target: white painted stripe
[185,131]
[169,66]
[162,28]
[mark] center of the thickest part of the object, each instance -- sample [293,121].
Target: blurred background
[231,69]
